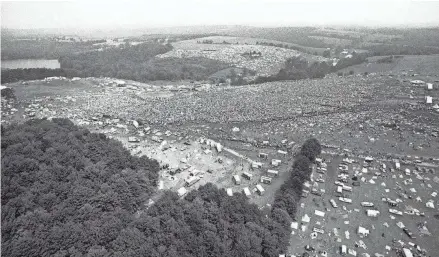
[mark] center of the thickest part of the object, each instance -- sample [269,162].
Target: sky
[169,13]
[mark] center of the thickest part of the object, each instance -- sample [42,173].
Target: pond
[30,63]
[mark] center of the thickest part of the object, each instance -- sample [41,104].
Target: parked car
[408,233]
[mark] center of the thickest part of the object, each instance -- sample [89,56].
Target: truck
[333,203]
[366,204]
[247,175]
[192,180]
[266,180]
[237,179]
[272,173]
[260,189]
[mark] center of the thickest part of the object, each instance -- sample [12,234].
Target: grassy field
[421,64]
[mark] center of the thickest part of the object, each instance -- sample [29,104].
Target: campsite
[221,140]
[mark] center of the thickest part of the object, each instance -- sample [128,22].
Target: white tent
[319,213]
[429,86]
[306,218]
[429,99]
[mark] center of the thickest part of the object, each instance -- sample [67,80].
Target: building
[429,86]
[237,179]
[229,192]
[260,189]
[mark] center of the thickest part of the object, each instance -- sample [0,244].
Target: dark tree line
[138,63]
[297,67]
[69,192]
[41,49]
[207,222]
[66,191]
[288,196]
[14,75]
[114,62]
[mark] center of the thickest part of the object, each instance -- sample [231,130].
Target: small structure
[282,152]
[319,213]
[306,218]
[260,189]
[343,250]
[182,191]
[247,175]
[256,165]
[397,165]
[294,225]
[366,204]
[266,180]
[429,204]
[246,191]
[363,232]
[429,86]
[429,99]
[417,82]
[237,179]
[393,211]
[272,173]
[407,252]
[229,192]
[219,147]
[372,213]
[345,200]
[263,155]
[133,140]
[275,162]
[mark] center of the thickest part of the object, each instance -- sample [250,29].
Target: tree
[311,148]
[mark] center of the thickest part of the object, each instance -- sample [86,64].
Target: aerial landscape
[219,135]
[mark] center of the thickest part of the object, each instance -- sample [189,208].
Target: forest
[69,192]
[138,63]
[41,49]
[297,67]
[14,75]
[65,189]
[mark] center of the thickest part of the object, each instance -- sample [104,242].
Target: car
[316,192]
[309,248]
[408,233]
[320,180]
